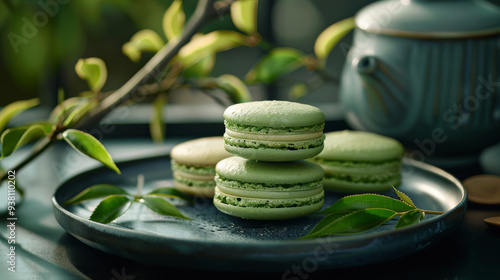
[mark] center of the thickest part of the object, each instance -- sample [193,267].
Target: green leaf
[89,146]
[355,222]
[171,193]
[208,44]
[410,218]
[297,91]
[404,197]
[234,87]
[95,191]
[64,108]
[278,62]
[145,40]
[94,71]
[244,15]
[15,108]
[79,111]
[157,125]
[174,20]
[15,138]
[201,68]
[110,208]
[162,207]
[329,37]
[363,201]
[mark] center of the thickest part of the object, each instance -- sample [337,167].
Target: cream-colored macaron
[193,164]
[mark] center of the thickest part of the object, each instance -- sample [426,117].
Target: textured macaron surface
[269,173]
[268,190]
[205,151]
[357,161]
[274,130]
[361,146]
[254,116]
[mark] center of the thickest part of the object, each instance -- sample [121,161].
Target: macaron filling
[235,184]
[253,202]
[272,130]
[196,169]
[281,145]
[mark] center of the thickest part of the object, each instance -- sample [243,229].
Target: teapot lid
[430,18]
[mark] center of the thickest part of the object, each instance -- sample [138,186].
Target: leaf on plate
[278,62]
[351,223]
[89,146]
[363,201]
[95,191]
[404,197]
[244,15]
[174,20]
[15,108]
[171,193]
[15,138]
[410,218]
[159,205]
[110,208]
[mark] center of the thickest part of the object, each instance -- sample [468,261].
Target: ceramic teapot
[426,73]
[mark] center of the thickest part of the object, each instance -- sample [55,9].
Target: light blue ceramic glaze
[426,73]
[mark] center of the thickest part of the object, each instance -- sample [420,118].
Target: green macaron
[193,164]
[261,190]
[358,161]
[274,130]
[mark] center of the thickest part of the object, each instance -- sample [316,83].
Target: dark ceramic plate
[215,241]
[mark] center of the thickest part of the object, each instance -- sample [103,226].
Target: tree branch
[153,67]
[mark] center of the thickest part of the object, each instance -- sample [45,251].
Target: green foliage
[15,138]
[157,125]
[278,62]
[15,108]
[117,201]
[361,212]
[89,146]
[94,71]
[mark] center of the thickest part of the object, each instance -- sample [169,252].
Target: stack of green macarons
[268,177]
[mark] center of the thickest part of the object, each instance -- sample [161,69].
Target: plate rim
[248,244]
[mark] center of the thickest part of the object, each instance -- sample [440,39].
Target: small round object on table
[358,161]
[483,189]
[274,130]
[193,164]
[261,190]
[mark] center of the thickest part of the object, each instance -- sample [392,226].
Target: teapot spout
[384,91]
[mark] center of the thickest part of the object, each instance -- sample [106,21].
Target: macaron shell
[274,114]
[342,186]
[205,151]
[195,191]
[245,170]
[255,213]
[360,146]
[274,155]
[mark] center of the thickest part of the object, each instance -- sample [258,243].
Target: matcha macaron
[193,164]
[274,130]
[358,161]
[260,190]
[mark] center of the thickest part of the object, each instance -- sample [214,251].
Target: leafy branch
[183,57]
[358,213]
[117,201]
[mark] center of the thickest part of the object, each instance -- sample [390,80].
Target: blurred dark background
[43,39]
